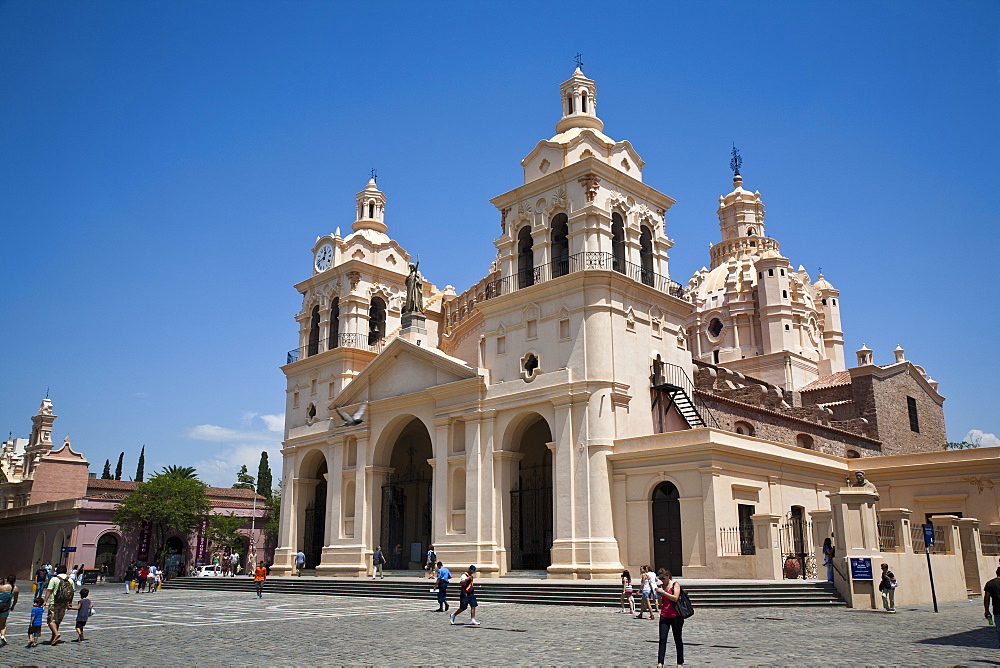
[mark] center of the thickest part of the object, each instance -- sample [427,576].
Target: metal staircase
[672,381]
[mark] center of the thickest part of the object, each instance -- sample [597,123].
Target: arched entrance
[531,500]
[314,532]
[406,499]
[58,556]
[107,551]
[174,561]
[36,558]
[667,544]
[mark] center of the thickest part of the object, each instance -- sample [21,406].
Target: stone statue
[861,482]
[414,291]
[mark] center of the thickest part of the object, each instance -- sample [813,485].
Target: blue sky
[166,167]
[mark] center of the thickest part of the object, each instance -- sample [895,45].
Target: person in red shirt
[143,576]
[259,575]
[670,619]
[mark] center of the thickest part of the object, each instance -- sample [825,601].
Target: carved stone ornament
[503,219]
[590,183]
[558,202]
[354,277]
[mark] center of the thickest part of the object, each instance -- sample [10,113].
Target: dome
[823,284]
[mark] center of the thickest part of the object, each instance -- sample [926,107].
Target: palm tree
[182,472]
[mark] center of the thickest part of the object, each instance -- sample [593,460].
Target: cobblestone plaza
[216,628]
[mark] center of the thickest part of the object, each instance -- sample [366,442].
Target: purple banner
[145,534]
[202,550]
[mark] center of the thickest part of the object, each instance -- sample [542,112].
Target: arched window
[569,103]
[371,209]
[583,102]
[335,323]
[646,255]
[617,242]
[560,245]
[744,428]
[376,321]
[313,332]
[853,454]
[804,441]
[525,258]
[750,232]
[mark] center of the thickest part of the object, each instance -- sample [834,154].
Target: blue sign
[861,568]
[929,535]
[69,549]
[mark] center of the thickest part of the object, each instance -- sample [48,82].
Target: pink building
[49,502]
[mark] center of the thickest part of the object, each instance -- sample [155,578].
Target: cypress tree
[118,469]
[264,477]
[142,463]
[107,470]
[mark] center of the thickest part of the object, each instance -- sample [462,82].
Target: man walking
[467,597]
[443,577]
[60,592]
[991,592]
[378,560]
[259,575]
[300,561]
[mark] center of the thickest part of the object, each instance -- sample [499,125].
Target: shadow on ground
[985,638]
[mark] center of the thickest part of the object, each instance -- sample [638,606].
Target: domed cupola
[579,103]
[371,209]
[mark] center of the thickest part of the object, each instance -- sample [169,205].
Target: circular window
[715,327]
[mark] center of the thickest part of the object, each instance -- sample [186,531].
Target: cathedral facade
[579,410]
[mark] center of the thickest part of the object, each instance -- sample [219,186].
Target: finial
[46,392]
[374,174]
[820,272]
[579,61]
[734,164]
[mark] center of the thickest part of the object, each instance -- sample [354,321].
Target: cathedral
[579,410]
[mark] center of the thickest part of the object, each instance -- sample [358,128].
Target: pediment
[403,368]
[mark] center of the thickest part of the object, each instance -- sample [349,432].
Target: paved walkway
[225,628]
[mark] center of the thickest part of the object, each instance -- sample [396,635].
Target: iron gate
[314,530]
[394,508]
[797,548]
[531,520]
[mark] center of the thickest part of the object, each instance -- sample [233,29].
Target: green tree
[168,503]
[107,470]
[142,464]
[224,531]
[244,480]
[181,472]
[264,476]
[963,445]
[118,469]
[273,517]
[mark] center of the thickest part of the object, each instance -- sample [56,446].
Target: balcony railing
[582,262]
[355,341]
[737,541]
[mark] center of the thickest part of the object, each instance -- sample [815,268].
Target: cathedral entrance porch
[405,528]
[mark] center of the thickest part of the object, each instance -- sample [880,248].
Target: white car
[210,571]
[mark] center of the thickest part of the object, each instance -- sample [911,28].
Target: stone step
[715,594]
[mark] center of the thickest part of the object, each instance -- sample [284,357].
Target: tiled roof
[839,378]
[96,486]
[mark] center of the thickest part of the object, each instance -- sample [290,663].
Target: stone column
[767,560]
[856,530]
[971,550]
[504,472]
[441,477]
[949,528]
[334,520]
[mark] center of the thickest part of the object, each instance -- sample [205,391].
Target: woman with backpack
[670,619]
[8,599]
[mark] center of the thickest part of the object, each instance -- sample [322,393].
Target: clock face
[324,256]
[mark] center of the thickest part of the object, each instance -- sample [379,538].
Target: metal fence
[887,541]
[797,548]
[348,340]
[917,538]
[737,541]
[991,543]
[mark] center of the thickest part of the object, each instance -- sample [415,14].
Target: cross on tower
[374,174]
[736,162]
[579,60]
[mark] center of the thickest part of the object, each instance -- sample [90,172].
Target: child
[35,628]
[84,610]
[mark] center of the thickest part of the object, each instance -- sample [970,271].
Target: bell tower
[579,103]
[371,209]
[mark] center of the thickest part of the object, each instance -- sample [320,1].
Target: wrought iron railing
[588,260]
[917,539]
[991,543]
[887,536]
[797,549]
[347,340]
[737,541]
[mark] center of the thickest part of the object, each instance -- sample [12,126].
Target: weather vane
[374,174]
[579,60]
[736,162]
